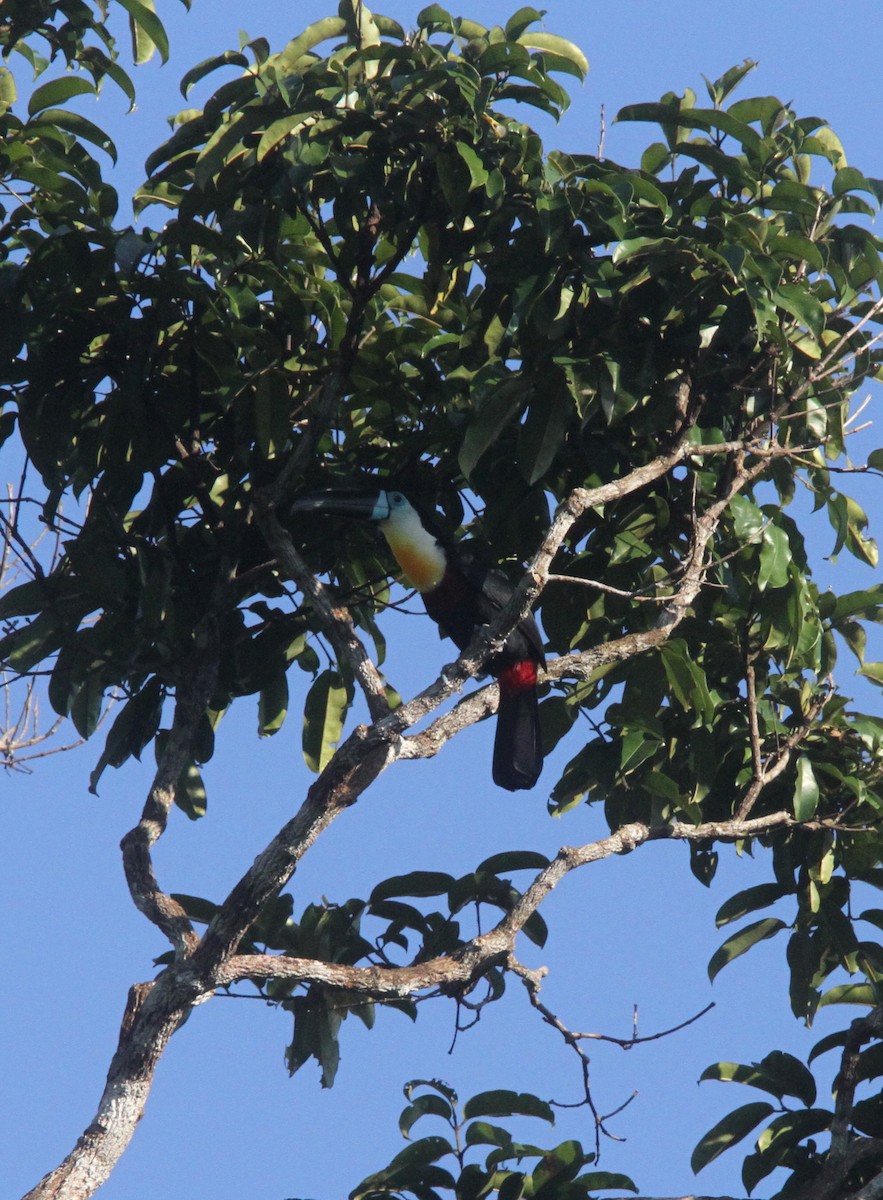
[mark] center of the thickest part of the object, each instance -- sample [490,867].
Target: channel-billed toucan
[460,595]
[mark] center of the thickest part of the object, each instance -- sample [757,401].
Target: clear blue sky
[224,1121]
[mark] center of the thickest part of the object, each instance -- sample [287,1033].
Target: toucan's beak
[366,505]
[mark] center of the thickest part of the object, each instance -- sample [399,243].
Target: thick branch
[194,690]
[355,766]
[154,1012]
[846,1149]
[487,949]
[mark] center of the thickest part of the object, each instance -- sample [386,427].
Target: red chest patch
[519,677]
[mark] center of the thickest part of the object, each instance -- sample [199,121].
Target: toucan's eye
[396,499]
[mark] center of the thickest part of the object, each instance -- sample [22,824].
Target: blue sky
[224,1120]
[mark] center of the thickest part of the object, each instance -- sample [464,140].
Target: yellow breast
[420,557]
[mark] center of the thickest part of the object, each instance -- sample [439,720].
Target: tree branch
[484,950]
[846,1149]
[195,686]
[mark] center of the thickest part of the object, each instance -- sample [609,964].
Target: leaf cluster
[557,1173]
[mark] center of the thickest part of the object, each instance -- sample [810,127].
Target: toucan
[460,595]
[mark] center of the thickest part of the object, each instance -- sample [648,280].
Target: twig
[776,763]
[598,586]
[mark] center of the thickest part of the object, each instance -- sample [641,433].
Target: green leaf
[482,1133]
[23,648]
[134,726]
[327,703]
[779,1073]
[487,425]
[273,705]
[8,90]
[147,30]
[284,128]
[848,179]
[88,131]
[24,600]
[542,434]
[738,943]
[316,1027]
[58,91]
[436,1085]
[416,883]
[197,909]
[558,1166]
[806,790]
[749,900]
[867,1116]
[190,794]
[503,1103]
[478,173]
[686,679]
[536,930]
[864,994]
[865,603]
[513,860]
[233,58]
[420,1153]
[775,558]
[320,31]
[850,520]
[798,300]
[727,1132]
[538,40]
[594,1181]
[828,144]
[790,1128]
[728,82]
[831,1041]
[421,1106]
[85,709]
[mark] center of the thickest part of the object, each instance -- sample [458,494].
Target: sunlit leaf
[726,1133]
[324,713]
[503,1103]
[738,943]
[806,790]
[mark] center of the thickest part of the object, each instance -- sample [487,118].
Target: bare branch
[598,586]
[531,981]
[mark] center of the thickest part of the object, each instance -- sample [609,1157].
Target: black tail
[518,755]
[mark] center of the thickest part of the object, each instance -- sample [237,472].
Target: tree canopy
[360,263]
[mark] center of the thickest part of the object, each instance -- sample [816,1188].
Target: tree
[370,268]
